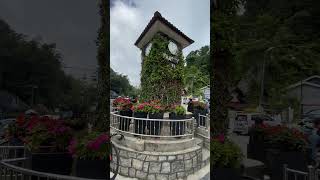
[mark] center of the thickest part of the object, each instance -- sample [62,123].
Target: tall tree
[222,31]
[196,71]
[291,30]
[103,119]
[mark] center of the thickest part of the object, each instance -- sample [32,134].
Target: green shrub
[225,154]
[179,110]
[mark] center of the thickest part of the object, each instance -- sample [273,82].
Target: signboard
[206,93]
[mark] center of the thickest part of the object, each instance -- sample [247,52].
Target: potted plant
[178,112]
[46,140]
[285,146]
[156,111]
[225,158]
[140,111]
[257,143]
[124,106]
[15,132]
[199,108]
[91,153]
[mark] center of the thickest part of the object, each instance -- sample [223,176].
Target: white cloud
[127,23]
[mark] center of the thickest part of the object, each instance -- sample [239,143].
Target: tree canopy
[196,71]
[290,29]
[121,84]
[29,65]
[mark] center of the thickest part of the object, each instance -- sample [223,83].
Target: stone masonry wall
[149,166]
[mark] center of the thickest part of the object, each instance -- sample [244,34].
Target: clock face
[148,49]
[173,48]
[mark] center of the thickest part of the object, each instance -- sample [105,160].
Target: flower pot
[94,169]
[177,128]
[155,126]
[256,147]
[196,114]
[276,159]
[225,173]
[57,163]
[139,125]
[125,123]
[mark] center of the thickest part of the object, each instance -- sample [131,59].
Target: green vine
[159,80]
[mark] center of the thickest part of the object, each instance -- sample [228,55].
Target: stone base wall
[164,166]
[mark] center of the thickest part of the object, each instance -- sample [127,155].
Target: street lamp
[262,77]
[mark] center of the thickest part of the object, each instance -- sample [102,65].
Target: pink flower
[72,147]
[96,143]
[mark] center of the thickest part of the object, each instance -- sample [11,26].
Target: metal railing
[288,172]
[204,121]
[164,128]
[13,167]
[317,174]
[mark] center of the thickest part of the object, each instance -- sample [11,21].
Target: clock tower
[161,45]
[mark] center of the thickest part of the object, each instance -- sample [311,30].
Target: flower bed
[280,145]
[91,153]
[46,140]
[177,112]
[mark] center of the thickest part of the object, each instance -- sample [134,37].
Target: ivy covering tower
[161,45]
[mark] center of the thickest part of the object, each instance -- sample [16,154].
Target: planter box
[256,147]
[155,126]
[125,123]
[276,159]
[57,163]
[95,169]
[139,126]
[225,173]
[177,128]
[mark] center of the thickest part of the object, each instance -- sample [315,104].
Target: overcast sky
[71,24]
[130,17]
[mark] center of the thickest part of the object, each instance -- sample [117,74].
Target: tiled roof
[157,16]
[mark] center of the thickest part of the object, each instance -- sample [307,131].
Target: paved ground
[241,141]
[253,167]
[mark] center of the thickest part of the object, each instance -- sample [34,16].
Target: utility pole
[32,94]
[262,77]
[301,99]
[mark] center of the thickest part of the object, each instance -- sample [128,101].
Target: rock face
[151,165]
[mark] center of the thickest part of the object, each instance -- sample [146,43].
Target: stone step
[199,141]
[205,157]
[205,154]
[253,168]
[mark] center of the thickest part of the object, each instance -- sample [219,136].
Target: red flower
[20,120]
[220,138]
[34,121]
[96,143]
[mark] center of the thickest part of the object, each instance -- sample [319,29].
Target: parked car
[244,121]
[311,114]
[306,123]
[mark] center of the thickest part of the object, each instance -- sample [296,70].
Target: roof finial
[157,14]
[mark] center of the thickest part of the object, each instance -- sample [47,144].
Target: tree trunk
[103,120]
